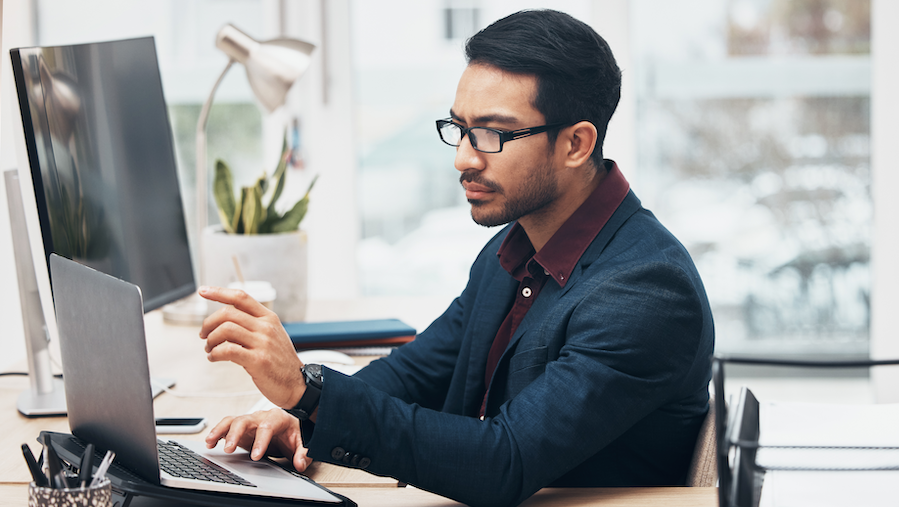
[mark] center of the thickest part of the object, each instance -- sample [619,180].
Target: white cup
[258,290]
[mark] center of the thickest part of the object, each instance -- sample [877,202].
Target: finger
[233,332]
[264,433]
[239,434]
[218,431]
[229,314]
[234,353]
[300,461]
[236,298]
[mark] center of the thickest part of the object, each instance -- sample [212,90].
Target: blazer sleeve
[421,371]
[630,341]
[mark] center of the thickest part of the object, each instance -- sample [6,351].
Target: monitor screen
[103,164]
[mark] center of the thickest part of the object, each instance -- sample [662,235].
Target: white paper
[812,424]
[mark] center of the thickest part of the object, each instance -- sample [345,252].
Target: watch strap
[309,401]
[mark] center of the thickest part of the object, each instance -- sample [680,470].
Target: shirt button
[545,272]
[526,292]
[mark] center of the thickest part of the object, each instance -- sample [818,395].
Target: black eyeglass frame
[504,135]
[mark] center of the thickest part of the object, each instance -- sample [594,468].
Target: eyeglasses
[485,139]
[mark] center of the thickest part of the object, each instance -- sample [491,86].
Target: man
[579,352]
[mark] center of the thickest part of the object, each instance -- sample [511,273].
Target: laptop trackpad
[263,474]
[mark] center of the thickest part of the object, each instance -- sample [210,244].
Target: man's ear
[578,143]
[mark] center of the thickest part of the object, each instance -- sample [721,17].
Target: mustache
[475,177]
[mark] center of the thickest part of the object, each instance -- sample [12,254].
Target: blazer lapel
[551,292]
[500,288]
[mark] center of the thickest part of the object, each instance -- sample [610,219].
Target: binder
[350,333]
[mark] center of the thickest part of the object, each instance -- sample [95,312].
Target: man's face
[519,180]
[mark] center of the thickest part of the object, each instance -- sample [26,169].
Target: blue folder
[349,333]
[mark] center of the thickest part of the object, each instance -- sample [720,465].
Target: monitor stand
[47,395]
[34,403]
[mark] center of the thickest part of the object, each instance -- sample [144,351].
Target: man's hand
[249,334]
[273,432]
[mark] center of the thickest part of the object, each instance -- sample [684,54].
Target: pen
[104,466]
[57,480]
[87,465]
[40,480]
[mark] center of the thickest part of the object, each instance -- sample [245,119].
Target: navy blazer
[604,383]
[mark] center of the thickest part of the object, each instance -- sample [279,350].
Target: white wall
[16,32]
[885,184]
[323,99]
[611,19]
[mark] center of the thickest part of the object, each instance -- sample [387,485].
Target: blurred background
[745,126]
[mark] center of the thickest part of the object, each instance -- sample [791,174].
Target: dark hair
[577,77]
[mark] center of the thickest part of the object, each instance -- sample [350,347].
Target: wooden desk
[177,352]
[17,496]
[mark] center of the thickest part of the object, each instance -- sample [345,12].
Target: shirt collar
[560,254]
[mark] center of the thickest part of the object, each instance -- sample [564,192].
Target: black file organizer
[737,431]
[126,486]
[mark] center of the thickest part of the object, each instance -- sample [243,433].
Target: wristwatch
[309,401]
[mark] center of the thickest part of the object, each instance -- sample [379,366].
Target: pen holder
[97,496]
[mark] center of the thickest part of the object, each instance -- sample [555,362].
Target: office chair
[703,471]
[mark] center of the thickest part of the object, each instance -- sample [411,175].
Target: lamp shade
[272,66]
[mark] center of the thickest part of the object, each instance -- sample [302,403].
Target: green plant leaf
[247,215]
[237,221]
[262,183]
[279,176]
[253,212]
[270,220]
[311,184]
[291,220]
[223,191]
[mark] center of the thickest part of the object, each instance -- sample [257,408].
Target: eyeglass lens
[482,139]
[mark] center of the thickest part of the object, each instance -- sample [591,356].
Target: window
[460,20]
[754,149]
[187,57]
[417,236]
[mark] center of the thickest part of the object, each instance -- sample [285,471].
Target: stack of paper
[808,424]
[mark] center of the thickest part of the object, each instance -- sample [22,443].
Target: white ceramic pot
[280,259]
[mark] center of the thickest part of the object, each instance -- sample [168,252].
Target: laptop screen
[104,362]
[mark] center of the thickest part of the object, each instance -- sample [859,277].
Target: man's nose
[467,157]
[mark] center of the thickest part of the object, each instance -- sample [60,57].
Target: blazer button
[354,461]
[338,453]
[364,462]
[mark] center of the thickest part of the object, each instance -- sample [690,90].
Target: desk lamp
[272,68]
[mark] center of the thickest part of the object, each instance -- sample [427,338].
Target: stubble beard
[537,191]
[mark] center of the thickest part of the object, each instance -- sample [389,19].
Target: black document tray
[737,430]
[126,486]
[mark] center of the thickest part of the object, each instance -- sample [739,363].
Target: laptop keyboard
[179,461]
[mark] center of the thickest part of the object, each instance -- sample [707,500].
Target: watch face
[313,372]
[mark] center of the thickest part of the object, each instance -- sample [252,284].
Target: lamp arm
[202,179]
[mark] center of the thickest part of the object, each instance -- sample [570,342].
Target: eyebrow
[495,118]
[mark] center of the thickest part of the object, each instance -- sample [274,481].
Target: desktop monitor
[104,181]
[102,163]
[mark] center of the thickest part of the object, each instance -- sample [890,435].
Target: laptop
[108,394]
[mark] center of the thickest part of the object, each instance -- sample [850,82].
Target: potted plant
[266,243]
